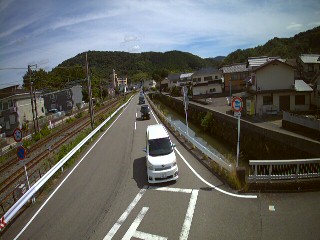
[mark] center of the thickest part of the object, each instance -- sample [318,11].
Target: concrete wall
[255,142]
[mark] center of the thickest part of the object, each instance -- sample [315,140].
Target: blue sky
[48,32]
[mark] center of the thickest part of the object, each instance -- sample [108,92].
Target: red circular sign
[17,135]
[237,104]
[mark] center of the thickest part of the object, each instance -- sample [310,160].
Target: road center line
[135,125]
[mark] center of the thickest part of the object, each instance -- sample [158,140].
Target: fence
[215,156]
[307,122]
[19,204]
[267,170]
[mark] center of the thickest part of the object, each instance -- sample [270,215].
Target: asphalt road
[107,196]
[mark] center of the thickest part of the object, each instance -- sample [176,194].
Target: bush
[207,122]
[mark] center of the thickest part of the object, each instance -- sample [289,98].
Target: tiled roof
[310,58]
[206,71]
[254,62]
[292,62]
[301,86]
[235,68]
[174,76]
[269,62]
[186,75]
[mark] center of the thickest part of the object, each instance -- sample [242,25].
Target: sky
[47,32]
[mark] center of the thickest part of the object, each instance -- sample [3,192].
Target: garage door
[284,102]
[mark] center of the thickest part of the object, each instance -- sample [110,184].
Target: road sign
[17,135]
[237,114]
[21,153]
[237,104]
[3,224]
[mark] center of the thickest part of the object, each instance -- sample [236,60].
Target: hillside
[304,42]
[102,62]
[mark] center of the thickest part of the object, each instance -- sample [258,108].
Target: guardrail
[216,157]
[267,170]
[34,188]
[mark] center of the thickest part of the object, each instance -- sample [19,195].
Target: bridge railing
[295,169]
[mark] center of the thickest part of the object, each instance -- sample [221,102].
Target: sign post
[186,103]
[237,106]
[21,153]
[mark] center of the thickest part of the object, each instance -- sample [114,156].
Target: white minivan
[161,160]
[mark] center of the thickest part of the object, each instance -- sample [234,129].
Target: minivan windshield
[160,146]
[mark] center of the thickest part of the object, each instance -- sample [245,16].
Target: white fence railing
[215,156]
[267,170]
[33,189]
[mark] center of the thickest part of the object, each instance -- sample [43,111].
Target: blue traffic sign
[21,153]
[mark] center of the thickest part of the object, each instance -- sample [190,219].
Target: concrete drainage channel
[239,181]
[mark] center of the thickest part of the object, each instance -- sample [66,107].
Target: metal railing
[267,170]
[214,156]
[25,198]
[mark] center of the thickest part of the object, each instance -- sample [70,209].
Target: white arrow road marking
[124,216]
[188,219]
[132,231]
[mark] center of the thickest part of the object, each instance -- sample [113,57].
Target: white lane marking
[147,236]
[211,185]
[132,229]
[188,219]
[136,115]
[178,190]
[135,125]
[204,181]
[34,216]
[124,216]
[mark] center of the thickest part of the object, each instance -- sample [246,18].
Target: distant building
[173,79]
[64,100]
[16,108]
[207,81]
[234,77]
[149,84]
[185,79]
[309,67]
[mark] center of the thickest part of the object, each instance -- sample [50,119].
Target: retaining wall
[255,142]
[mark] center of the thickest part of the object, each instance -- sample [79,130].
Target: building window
[234,76]
[310,68]
[12,119]
[300,100]
[212,90]
[243,75]
[208,78]
[267,100]
[216,77]
[5,105]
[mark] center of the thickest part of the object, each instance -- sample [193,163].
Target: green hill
[304,42]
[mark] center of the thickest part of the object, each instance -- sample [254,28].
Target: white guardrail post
[29,194]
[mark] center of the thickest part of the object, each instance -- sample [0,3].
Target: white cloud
[295,26]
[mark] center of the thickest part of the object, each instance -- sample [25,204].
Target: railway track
[12,172]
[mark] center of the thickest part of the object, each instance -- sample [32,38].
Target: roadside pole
[237,105]
[186,103]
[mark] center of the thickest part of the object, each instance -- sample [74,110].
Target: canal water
[213,143]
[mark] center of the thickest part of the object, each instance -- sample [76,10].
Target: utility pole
[36,110]
[89,93]
[31,95]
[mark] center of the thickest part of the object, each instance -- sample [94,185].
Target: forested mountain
[101,63]
[304,42]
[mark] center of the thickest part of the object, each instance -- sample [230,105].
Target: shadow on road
[140,172]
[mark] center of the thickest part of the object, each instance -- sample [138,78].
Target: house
[309,67]
[164,84]
[173,79]
[185,79]
[16,108]
[64,100]
[206,82]
[234,77]
[149,84]
[273,89]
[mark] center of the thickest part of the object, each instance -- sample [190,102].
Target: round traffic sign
[237,104]
[17,135]
[21,153]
